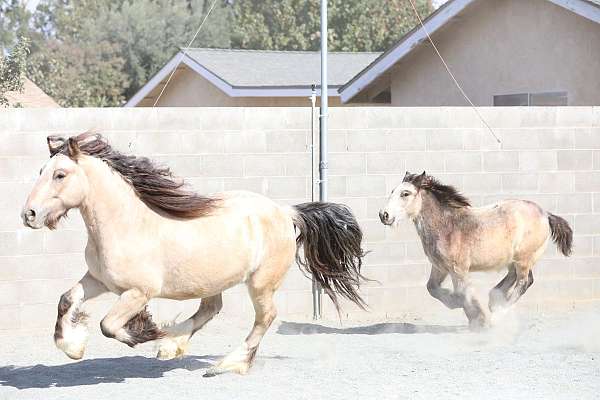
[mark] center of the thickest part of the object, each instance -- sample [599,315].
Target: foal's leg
[498,295]
[128,321]
[477,315]
[70,332]
[177,336]
[435,289]
[524,282]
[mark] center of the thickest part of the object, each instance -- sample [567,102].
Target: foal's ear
[55,144]
[73,148]
[420,179]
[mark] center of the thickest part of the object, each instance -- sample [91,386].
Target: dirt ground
[528,356]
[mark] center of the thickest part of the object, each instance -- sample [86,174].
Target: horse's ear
[420,179]
[55,144]
[73,148]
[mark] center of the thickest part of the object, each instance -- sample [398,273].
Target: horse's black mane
[154,185]
[446,195]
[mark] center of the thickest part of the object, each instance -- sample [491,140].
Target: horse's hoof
[479,325]
[241,369]
[170,349]
[73,341]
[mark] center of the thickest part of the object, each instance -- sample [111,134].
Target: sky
[437,3]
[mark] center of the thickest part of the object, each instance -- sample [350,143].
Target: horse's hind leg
[524,282]
[498,295]
[70,332]
[128,321]
[174,344]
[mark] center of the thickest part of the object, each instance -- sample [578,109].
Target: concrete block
[185,166]
[365,185]
[60,242]
[264,165]
[557,138]
[40,317]
[9,293]
[336,142]
[556,182]
[202,142]
[519,183]
[481,183]
[587,138]
[21,242]
[41,291]
[410,274]
[367,141]
[219,166]
[288,187]
[378,163]
[495,161]
[337,186]
[537,161]
[480,139]
[206,185]
[462,162]
[347,164]
[583,246]
[246,142]
[575,160]
[157,143]
[373,231]
[520,139]
[289,141]
[406,140]
[575,203]
[443,139]
[587,224]
[587,181]
[596,201]
[596,160]
[10,169]
[256,185]
[10,318]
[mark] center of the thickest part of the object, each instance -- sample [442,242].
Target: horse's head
[405,200]
[61,186]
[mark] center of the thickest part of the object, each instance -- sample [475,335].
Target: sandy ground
[552,356]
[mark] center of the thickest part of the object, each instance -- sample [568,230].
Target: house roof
[259,73]
[589,9]
[31,97]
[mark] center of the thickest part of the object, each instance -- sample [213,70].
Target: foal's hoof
[479,324]
[72,341]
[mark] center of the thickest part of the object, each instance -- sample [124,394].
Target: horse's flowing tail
[562,234]
[331,238]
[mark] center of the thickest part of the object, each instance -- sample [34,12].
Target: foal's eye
[405,194]
[59,175]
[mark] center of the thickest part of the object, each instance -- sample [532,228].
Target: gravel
[533,356]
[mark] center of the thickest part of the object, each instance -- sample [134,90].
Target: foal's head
[406,200]
[62,185]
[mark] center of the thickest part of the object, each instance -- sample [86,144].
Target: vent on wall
[532,99]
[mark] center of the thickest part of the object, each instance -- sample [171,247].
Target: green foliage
[100,52]
[12,70]
[354,25]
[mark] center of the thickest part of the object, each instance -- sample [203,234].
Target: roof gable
[257,73]
[589,9]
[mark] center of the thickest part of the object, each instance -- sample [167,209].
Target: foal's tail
[331,238]
[562,234]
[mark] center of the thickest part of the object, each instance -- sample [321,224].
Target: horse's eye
[405,194]
[59,175]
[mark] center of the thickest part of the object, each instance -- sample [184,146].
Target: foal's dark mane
[154,185]
[446,195]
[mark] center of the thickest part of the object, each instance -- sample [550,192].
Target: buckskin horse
[458,239]
[150,237]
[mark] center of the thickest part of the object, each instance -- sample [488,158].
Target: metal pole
[322,140]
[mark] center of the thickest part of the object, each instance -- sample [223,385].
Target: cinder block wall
[548,155]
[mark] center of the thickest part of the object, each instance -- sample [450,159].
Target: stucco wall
[188,89]
[503,47]
[549,155]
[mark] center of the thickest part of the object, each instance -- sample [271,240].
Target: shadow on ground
[295,328]
[95,371]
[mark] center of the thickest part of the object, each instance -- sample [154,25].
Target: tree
[12,70]
[354,25]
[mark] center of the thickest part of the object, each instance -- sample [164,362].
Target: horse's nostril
[30,215]
[386,215]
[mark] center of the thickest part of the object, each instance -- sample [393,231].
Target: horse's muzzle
[384,216]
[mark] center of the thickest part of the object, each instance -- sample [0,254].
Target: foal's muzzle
[384,216]
[29,217]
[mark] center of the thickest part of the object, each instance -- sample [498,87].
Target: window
[532,99]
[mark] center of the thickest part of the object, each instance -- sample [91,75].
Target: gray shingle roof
[259,68]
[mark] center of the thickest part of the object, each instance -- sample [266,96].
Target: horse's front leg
[70,332]
[477,315]
[128,321]
[435,289]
